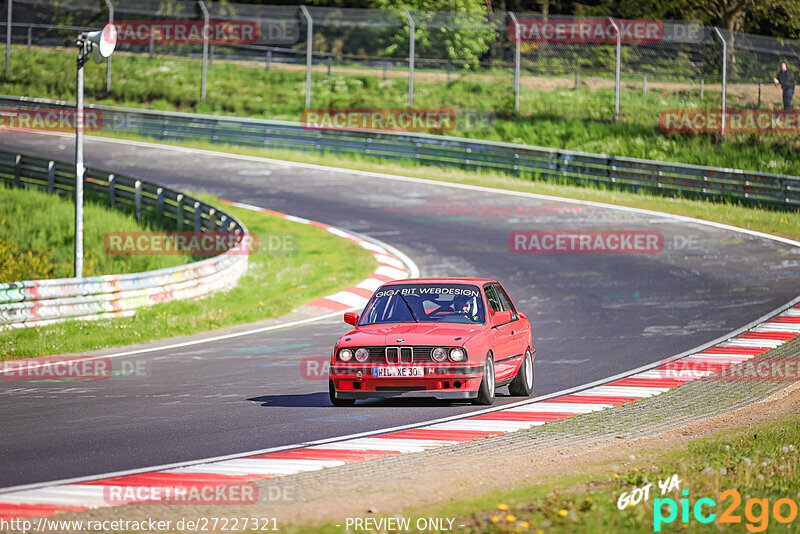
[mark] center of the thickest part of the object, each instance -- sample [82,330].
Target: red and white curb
[390,267]
[87,494]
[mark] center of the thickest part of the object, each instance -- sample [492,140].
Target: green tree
[445,29]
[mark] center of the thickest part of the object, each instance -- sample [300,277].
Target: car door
[515,332]
[502,337]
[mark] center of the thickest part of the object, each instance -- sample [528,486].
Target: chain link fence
[630,67]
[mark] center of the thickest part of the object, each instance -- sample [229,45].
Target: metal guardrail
[476,155]
[40,302]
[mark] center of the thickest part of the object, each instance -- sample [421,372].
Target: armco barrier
[472,154]
[39,302]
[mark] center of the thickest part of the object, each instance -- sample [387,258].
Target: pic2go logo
[315,367]
[756,511]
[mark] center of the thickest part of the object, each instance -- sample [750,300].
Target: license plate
[381,372]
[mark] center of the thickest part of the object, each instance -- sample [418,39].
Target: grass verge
[484,105]
[783,223]
[41,246]
[758,463]
[317,264]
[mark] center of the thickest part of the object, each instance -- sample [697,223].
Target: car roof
[474,281]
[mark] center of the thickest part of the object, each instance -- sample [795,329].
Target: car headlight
[362,355]
[439,354]
[458,355]
[345,355]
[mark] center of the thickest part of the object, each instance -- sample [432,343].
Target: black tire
[487,390]
[522,385]
[341,403]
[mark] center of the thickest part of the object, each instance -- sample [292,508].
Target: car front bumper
[358,382]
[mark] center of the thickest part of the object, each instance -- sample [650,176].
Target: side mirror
[351,318]
[501,318]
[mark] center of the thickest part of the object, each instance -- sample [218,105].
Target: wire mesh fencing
[572,68]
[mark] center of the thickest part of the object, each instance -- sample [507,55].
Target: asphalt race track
[594,315]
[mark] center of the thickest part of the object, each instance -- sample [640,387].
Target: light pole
[100,45]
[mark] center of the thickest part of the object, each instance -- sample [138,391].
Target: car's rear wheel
[522,385]
[486,391]
[335,401]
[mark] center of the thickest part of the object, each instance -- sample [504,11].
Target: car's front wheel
[335,401]
[522,385]
[486,391]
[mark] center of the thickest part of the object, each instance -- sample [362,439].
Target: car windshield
[425,303]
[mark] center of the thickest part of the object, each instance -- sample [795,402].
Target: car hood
[419,334]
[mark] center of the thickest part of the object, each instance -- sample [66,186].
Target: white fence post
[724,76]
[205,50]
[411,53]
[516,60]
[616,72]
[110,7]
[309,51]
[8,38]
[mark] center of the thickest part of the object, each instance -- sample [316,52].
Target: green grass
[48,236]
[563,118]
[760,463]
[276,282]
[783,223]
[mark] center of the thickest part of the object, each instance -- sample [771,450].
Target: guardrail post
[644,84]
[516,60]
[30,36]
[269,59]
[702,87]
[575,87]
[137,196]
[205,50]
[724,75]
[309,51]
[110,7]
[211,222]
[112,190]
[160,202]
[152,47]
[18,171]
[8,38]
[198,218]
[412,27]
[51,176]
[616,71]
[179,211]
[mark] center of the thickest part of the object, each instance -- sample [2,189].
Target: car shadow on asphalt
[321,400]
[294,401]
